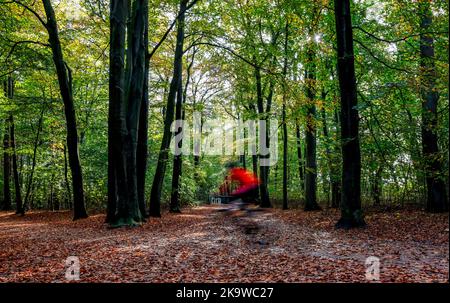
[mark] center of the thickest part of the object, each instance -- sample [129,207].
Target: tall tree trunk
[9,90]
[129,210]
[327,147]
[301,167]
[65,86]
[351,214]
[126,96]
[142,148]
[263,168]
[33,162]
[436,191]
[177,164]
[6,205]
[254,156]
[310,136]
[66,180]
[116,121]
[375,188]
[180,113]
[285,159]
[284,122]
[158,180]
[18,193]
[335,177]
[6,168]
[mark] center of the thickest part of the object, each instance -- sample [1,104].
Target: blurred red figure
[246,181]
[243,188]
[241,184]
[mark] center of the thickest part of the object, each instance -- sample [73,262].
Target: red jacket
[244,178]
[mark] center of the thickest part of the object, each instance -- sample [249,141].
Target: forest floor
[204,245]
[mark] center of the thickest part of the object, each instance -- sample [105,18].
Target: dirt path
[204,245]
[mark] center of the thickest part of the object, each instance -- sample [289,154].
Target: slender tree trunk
[327,148]
[285,159]
[6,168]
[158,180]
[436,189]
[6,205]
[12,143]
[263,169]
[376,186]
[197,145]
[351,214]
[66,179]
[65,85]
[301,167]
[142,148]
[310,137]
[284,122]
[335,177]
[177,160]
[18,193]
[33,163]
[333,172]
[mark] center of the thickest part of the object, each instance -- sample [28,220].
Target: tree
[142,147]
[127,86]
[285,133]
[12,138]
[155,195]
[436,192]
[310,135]
[65,85]
[6,155]
[351,214]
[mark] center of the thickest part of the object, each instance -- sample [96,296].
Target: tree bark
[351,214]
[6,203]
[142,147]
[116,119]
[6,168]
[263,169]
[284,122]
[18,193]
[66,179]
[135,75]
[310,136]
[65,86]
[327,147]
[436,189]
[301,167]
[127,92]
[33,163]
[376,186]
[177,164]
[335,178]
[158,180]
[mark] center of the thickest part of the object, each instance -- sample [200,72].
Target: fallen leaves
[204,245]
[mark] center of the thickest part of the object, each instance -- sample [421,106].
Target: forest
[119,118]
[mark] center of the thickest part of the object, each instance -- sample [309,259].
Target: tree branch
[395,40]
[30,10]
[163,38]
[23,42]
[379,60]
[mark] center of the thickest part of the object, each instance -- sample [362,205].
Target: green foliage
[227,39]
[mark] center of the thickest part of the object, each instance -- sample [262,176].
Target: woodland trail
[204,245]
